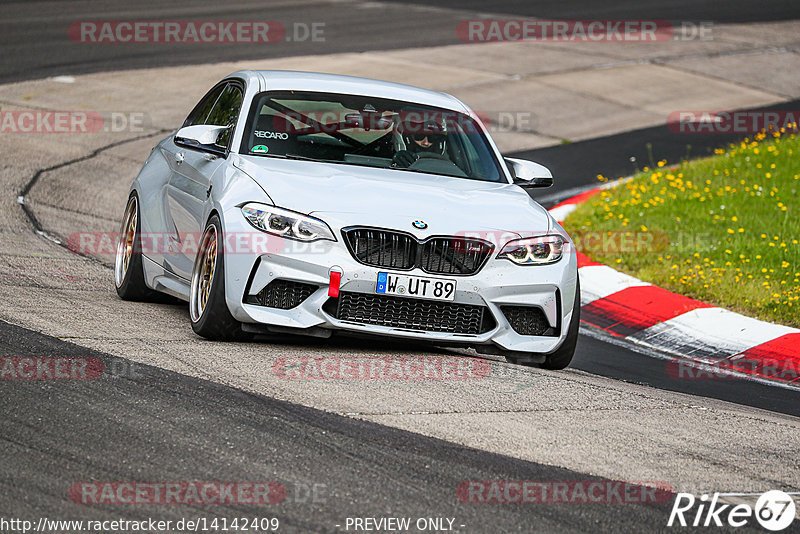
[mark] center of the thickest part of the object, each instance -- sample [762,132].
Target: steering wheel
[436,163]
[431,155]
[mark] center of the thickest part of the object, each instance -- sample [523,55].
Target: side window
[203,108]
[225,112]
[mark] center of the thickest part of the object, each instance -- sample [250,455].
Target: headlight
[285,223]
[534,250]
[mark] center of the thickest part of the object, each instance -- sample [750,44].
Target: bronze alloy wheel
[203,273]
[125,243]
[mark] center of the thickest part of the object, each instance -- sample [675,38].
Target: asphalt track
[730,11]
[33,45]
[33,41]
[157,424]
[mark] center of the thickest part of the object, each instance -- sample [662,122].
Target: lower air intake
[413,314]
[528,321]
[282,294]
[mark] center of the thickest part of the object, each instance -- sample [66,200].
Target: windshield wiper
[306,158]
[290,156]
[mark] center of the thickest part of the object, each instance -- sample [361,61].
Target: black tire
[212,319]
[129,277]
[562,356]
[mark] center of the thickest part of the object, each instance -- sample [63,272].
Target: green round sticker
[260,149]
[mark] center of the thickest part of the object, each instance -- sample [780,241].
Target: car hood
[345,195]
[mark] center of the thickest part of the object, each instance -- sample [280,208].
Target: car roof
[282,80]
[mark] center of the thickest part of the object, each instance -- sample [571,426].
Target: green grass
[723,229]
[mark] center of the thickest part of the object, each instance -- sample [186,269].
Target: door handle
[179,158]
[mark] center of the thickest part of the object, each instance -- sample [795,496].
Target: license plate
[422,287]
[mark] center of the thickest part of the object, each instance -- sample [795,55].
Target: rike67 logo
[774,510]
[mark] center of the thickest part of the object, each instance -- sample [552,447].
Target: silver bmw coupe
[305,203]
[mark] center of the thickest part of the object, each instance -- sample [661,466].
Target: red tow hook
[336,279]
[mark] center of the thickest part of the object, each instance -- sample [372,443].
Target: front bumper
[500,283]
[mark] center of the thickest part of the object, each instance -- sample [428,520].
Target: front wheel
[208,310]
[128,268]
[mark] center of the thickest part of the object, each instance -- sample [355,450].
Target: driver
[415,139]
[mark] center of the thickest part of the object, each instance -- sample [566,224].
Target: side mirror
[203,137]
[528,174]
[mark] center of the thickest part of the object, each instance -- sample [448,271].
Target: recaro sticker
[264,134]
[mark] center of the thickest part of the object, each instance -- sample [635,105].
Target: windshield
[367,131]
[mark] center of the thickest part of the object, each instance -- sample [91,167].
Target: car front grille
[453,255]
[282,294]
[437,255]
[528,321]
[410,313]
[382,249]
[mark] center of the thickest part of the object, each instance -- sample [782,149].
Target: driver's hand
[404,158]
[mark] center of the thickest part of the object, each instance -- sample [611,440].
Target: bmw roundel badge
[421,225]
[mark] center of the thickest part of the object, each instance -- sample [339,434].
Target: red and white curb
[626,307]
